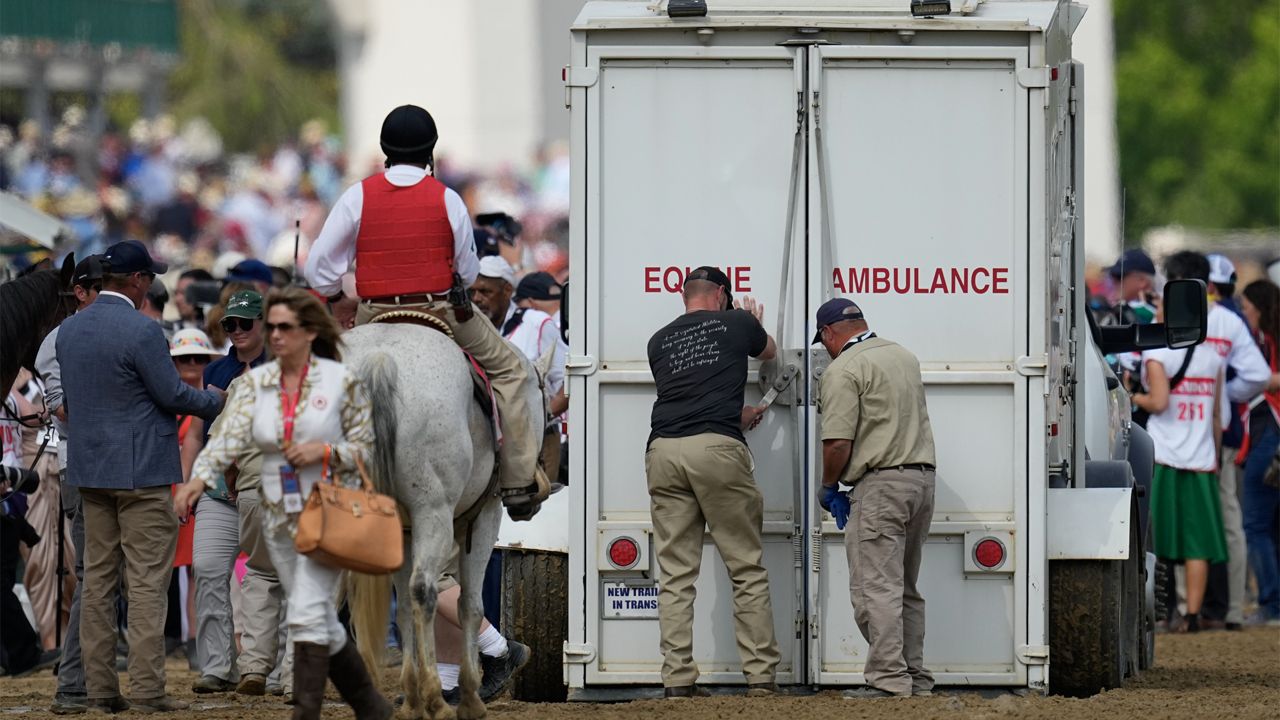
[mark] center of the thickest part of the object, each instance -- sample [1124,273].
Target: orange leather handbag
[351,528]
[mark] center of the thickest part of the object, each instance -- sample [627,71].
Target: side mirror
[1186,313]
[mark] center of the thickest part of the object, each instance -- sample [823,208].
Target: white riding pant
[310,589]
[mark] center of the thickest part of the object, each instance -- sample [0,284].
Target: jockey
[411,241]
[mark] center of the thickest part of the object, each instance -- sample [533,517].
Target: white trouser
[215,545]
[310,588]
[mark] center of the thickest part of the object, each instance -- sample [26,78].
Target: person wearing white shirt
[1247,376]
[1185,427]
[410,240]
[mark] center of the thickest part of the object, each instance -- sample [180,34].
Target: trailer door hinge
[1033,654]
[579,653]
[1034,77]
[580,365]
[580,76]
[1032,365]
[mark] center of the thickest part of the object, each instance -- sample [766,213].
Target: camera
[204,294]
[502,225]
[19,480]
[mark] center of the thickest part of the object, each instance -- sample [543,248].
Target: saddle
[482,390]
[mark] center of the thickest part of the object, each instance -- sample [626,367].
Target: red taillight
[624,552]
[989,553]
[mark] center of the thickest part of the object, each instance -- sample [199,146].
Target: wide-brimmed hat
[191,342]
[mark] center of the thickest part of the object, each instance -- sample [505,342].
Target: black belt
[922,467]
[412,299]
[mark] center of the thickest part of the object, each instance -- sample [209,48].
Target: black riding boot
[349,674]
[310,674]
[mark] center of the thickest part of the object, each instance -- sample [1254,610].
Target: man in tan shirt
[876,437]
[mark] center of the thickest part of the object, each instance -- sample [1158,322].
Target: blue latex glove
[836,502]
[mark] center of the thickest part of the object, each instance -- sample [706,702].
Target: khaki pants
[140,527]
[695,484]
[1233,529]
[504,364]
[892,510]
[41,575]
[263,597]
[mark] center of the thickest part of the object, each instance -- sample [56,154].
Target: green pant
[695,484]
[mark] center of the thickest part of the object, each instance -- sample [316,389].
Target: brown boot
[351,677]
[523,503]
[310,674]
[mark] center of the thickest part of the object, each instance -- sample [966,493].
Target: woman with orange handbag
[310,417]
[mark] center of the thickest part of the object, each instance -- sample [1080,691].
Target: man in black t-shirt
[699,472]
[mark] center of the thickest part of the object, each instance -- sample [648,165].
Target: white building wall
[480,67]
[1094,45]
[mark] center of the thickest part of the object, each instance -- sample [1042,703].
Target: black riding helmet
[408,135]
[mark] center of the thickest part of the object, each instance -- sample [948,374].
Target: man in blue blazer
[122,394]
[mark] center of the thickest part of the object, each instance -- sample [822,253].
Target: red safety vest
[405,244]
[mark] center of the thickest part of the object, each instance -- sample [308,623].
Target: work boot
[109,705]
[351,677]
[164,703]
[497,672]
[252,684]
[523,503]
[211,684]
[69,704]
[310,674]
[762,689]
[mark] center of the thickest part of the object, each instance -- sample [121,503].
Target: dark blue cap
[131,256]
[251,271]
[538,286]
[1133,260]
[833,311]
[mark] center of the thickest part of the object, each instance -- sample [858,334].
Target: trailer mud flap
[1089,523]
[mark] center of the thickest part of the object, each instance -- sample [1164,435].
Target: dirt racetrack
[1205,677]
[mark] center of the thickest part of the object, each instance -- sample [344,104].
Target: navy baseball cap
[1133,260]
[715,275]
[88,272]
[833,311]
[251,271]
[538,286]
[131,256]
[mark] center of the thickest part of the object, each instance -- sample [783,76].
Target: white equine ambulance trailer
[928,167]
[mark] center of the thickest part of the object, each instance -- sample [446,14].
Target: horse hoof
[407,713]
[471,708]
[444,713]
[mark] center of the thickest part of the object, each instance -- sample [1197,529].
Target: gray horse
[435,453]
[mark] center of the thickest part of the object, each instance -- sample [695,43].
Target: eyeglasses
[243,324]
[282,327]
[192,359]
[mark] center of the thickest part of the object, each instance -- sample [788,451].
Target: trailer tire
[1086,626]
[535,611]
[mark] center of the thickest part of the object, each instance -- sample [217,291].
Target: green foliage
[1198,113]
[235,71]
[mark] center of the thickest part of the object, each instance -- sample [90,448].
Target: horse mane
[28,307]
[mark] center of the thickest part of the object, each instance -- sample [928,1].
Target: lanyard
[861,338]
[289,403]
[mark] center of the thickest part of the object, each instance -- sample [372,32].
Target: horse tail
[379,372]
[369,597]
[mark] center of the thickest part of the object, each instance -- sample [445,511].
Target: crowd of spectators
[173,187]
[1212,413]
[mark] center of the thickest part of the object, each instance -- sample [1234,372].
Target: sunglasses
[231,324]
[282,327]
[192,359]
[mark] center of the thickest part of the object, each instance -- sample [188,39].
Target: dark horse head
[30,306]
